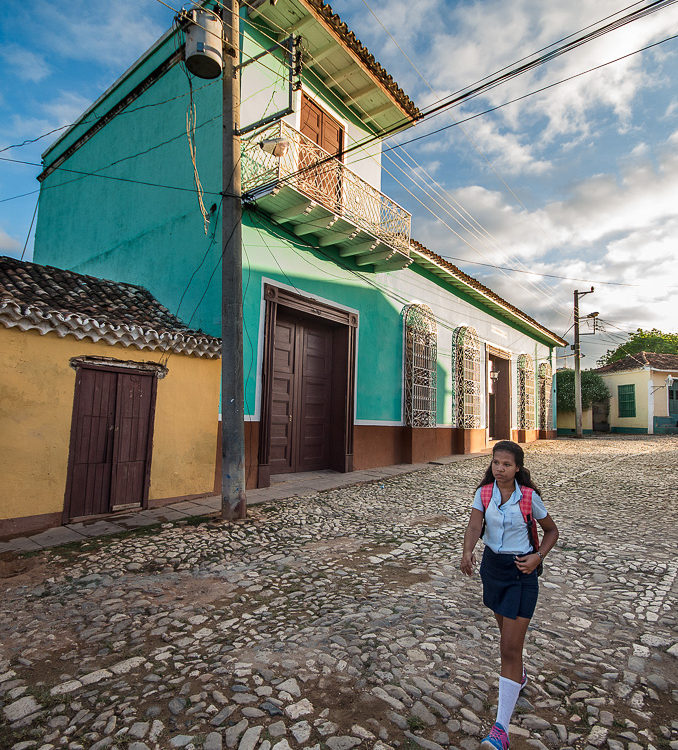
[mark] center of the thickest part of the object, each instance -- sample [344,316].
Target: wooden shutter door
[323,181]
[91,458]
[315,413]
[282,397]
[131,452]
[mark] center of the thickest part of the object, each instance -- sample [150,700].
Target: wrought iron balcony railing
[310,170]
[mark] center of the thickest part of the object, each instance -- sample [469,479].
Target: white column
[650,405]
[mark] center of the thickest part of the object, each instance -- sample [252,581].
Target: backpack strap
[526,509]
[485,498]
[486,494]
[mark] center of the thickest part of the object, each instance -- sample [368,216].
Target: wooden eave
[339,60]
[483,295]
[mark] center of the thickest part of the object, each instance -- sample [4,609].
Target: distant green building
[361,346]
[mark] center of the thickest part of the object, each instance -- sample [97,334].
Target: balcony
[317,196]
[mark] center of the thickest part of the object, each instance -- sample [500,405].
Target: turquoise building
[361,346]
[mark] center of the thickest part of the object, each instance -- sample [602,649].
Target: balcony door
[323,182]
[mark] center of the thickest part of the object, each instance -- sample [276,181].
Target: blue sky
[580,180]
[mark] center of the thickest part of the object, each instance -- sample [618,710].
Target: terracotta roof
[653,360]
[486,291]
[44,298]
[335,23]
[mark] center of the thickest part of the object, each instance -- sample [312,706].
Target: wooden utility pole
[233,500]
[578,429]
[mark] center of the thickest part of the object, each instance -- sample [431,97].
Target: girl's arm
[471,536]
[528,563]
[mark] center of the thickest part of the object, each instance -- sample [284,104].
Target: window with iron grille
[466,367]
[421,360]
[545,409]
[525,392]
[626,399]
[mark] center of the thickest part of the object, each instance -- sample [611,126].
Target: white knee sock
[508,695]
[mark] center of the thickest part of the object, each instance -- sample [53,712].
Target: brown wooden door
[282,400]
[92,446]
[132,426]
[110,441]
[301,403]
[500,400]
[315,398]
[323,181]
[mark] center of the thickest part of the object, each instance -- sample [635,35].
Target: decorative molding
[111,363]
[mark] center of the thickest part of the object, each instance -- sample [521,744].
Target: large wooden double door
[302,395]
[111,437]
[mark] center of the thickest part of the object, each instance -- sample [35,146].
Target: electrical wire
[293,240]
[84,174]
[526,270]
[30,228]
[408,173]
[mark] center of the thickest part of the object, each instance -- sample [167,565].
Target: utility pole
[577,365]
[233,500]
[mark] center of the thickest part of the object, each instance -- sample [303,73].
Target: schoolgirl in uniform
[508,569]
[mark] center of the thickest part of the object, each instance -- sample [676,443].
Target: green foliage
[593,388]
[643,341]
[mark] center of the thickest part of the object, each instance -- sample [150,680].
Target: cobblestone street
[341,620]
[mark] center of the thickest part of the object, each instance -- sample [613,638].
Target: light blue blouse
[505,528]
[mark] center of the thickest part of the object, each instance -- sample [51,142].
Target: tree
[643,341]
[593,388]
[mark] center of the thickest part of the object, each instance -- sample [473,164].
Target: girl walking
[504,501]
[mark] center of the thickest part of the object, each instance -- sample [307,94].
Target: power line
[470,140]
[109,177]
[543,290]
[476,92]
[30,228]
[532,93]
[84,174]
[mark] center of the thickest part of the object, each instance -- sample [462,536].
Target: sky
[579,180]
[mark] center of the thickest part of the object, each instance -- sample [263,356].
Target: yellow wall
[36,403]
[640,379]
[566,419]
[661,400]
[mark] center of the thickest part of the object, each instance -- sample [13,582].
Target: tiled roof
[353,43]
[475,284]
[654,360]
[44,298]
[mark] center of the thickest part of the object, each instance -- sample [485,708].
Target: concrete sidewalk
[282,486]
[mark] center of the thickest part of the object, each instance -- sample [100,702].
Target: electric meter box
[203,45]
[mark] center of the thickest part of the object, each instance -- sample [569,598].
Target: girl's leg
[511,645]
[512,640]
[499,619]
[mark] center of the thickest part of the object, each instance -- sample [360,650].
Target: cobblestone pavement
[341,620]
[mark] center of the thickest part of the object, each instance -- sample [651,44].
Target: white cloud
[8,245]
[111,34]
[64,109]
[609,228]
[24,64]
[460,54]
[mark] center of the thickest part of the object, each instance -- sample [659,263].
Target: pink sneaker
[497,739]
[523,682]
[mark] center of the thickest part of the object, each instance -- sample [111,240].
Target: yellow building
[644,393]
[107,401]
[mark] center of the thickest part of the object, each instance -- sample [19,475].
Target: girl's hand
[468,563]
[527,563]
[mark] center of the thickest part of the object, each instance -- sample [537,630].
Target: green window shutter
[626,398]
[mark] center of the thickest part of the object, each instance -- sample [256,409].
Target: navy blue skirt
[507,591]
